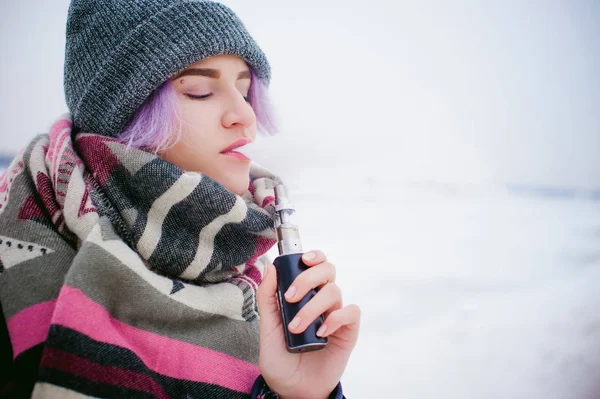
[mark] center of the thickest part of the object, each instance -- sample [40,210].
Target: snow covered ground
[466,293]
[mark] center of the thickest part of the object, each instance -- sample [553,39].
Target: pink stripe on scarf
[30,326]
[166,356]
[266,201]
[57,136]
[263,245]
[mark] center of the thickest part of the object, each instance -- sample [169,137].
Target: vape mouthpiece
[288,238]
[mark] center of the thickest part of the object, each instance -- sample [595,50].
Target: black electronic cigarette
[289,265]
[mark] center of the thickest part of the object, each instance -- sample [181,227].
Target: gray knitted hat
[119,51]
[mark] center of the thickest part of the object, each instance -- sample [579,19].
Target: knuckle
[306,314]
[354,310]
[302,280]
[333,292]
[333,289]
[332,271]
[335,317]
[308,279]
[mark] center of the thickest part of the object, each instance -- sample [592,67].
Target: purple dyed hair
[157,124]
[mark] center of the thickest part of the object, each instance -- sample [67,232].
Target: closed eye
[192,96]
[203,96]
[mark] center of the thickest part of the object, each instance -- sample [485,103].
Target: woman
[133,236]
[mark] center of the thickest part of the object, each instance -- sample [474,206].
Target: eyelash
[205,96]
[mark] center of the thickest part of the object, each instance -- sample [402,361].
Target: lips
[236,144]
[229,151]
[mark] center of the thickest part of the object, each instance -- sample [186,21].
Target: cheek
[190,154]
[197,148]
[198,127]
[199,113]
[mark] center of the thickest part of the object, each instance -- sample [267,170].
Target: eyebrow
[211,73]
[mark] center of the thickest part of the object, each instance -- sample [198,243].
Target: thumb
[266,295]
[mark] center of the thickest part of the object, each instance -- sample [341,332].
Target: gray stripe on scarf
[33,281]
[135,302]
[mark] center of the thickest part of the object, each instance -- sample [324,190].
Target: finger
[266,294]
[313,258]
[314,277]
[329,298]
[348,316]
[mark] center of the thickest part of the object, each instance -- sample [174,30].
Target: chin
[238,186]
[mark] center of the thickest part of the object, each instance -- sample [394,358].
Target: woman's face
[216,119]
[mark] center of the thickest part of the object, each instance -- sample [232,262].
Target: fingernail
[309,256]
[295,323]
[322,330]
[289,294]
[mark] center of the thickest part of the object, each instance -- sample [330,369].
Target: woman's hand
[311,374]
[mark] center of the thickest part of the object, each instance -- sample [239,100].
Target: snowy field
[465,293]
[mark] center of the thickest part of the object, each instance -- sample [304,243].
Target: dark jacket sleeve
[260,390]
[6,357]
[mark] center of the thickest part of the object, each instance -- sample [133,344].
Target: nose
[238,111]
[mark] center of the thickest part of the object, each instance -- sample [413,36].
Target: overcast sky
[466,92]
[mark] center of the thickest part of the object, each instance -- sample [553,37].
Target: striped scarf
[121,275]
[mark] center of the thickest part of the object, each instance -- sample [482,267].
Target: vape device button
[279,303]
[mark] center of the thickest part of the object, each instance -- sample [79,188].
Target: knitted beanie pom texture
[118,51]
